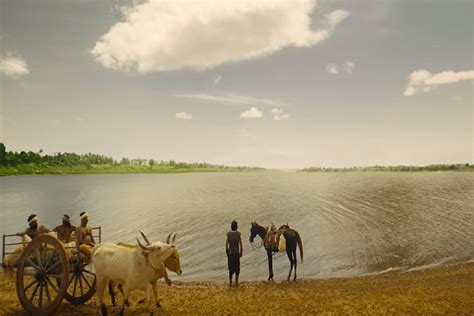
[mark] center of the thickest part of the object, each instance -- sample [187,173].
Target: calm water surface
[350,223]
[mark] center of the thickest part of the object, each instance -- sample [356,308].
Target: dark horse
[292,240]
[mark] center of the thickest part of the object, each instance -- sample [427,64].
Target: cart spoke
[85,279]
[41,294]
[88,272]
[30,262]
[48,297]
[57,276]
[75,285]
[53,266]
[26,288]
[80,285]
[70,280]
[49,258]
[52,285]
[38,257]
[34,292]
[29,273]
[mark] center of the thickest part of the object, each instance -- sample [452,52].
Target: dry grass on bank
[443,290]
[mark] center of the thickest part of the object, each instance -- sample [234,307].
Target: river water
[351,223]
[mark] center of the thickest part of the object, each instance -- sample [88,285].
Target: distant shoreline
[31,169]
[116,168]
[441,290]
[429,168]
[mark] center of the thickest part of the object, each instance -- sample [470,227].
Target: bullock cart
[49,270]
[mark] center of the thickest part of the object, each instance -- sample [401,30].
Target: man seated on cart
[66,231]
[85,239]
[27,235]
[34,229]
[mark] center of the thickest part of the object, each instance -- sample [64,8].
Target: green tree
[152,163]
[2,154]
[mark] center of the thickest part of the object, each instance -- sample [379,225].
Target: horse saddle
[274,238]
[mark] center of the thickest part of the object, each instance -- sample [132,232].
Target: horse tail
[300,245]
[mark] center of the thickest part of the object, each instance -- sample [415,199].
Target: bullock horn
[174,238]
[168,239]
[143,247]
[144,237]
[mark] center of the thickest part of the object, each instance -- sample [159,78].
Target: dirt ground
[442,291]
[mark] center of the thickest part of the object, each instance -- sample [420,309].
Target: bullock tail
[300,245]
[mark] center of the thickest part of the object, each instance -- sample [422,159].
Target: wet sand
[443,290]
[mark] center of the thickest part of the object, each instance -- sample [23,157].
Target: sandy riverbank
[442,290]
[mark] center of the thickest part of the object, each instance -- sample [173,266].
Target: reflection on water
[350,223]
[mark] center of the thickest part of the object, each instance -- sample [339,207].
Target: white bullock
[133,268]
[173,264]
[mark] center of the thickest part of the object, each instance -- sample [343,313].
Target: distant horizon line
[321,167]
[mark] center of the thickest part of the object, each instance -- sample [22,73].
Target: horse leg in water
[289,253]
[291,244]
[295,262]
[270,265]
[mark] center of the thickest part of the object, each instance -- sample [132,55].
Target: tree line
[15,158]
[433,167]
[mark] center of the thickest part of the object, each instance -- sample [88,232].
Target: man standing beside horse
[234,250]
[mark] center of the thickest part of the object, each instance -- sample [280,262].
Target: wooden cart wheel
[41,277]
[81,284]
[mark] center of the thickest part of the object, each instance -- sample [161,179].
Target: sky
[276,84]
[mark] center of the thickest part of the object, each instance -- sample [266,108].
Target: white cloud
[232,99]
[217,79]
[277,111]
[349,67]
[279,114]
[332,69]
[410,91]
[429,88]
[185,34]
[183,116]
[336,17]
[280,117]
[423,80]
[13,66]
[252,113]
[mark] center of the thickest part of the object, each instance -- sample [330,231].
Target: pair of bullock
[134,266]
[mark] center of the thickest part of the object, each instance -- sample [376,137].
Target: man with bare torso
[34,229]
[84,236]
[66,231]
